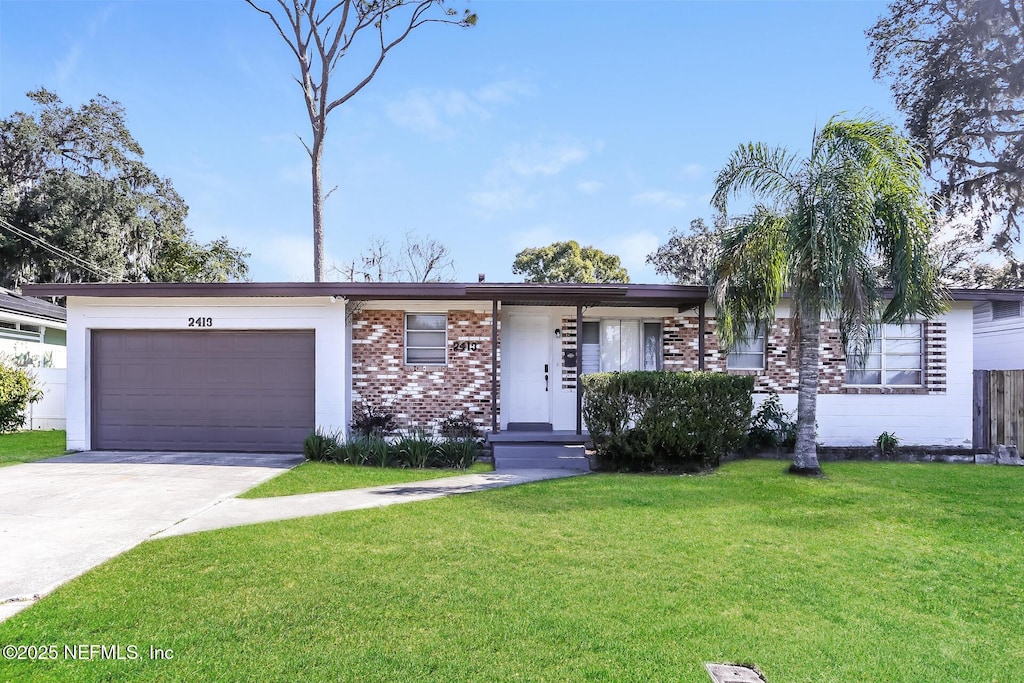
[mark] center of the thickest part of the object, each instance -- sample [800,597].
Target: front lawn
[32,445]
[316,477]
[882,572]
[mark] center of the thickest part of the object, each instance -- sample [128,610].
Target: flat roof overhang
[512,293]
[563,294]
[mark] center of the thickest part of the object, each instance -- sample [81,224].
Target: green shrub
[376,451]
[457,453]
[641,421]
[17,389]
[321,446]
[415,450]
[771,426]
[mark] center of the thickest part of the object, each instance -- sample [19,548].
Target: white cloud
[65,68]
[662,198]
[633,249]
[543,159]
[503,199]
[437,113]
[434,112]
[504,92]
[589,186]
[692,172]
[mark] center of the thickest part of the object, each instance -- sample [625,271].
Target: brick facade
[421,396]
[680,353]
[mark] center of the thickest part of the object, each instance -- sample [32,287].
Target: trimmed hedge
[643,421]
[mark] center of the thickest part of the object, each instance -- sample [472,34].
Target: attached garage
[202,390]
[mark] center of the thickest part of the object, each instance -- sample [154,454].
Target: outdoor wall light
[558,332]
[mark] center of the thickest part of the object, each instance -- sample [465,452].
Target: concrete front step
[532,456]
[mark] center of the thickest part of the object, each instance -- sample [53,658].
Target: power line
[76,260]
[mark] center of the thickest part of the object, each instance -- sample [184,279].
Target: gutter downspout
[494,366]
[701,323]
[579,369]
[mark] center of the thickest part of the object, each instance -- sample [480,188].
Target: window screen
[426,338]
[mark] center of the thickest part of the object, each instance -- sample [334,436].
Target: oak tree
[568,262]
[78,203]
[956,68]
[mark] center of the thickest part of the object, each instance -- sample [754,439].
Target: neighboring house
[999,335]
[255,366]
[33,335]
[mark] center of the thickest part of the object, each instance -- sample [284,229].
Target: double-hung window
[748,354]
[426,339]
[614,345]
[895,357]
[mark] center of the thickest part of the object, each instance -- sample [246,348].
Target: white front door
[527,349]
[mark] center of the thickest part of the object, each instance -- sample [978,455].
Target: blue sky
[602,122]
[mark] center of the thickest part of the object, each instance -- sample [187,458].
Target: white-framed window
[25,331]
[615,345]
[895,358]
[749,354]
[426,339]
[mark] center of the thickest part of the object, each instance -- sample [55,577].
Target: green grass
[883,572]
[315,477]
[22,447]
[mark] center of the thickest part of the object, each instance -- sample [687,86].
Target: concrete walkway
[239,511]
[61,517]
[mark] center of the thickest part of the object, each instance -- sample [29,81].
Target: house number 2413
[200,322]
[465,346]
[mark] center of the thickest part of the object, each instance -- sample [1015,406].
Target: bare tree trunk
[316,156]
[805,456]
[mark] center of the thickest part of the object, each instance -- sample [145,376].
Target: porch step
[521,456]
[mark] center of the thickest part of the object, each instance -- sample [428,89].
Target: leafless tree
[320,38]
[418,260]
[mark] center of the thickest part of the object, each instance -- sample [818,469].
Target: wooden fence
[998,408]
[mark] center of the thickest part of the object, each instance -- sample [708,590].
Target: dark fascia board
[27,305]
[590,294]
[987,294]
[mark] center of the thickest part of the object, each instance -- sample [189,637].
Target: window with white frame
[615,345]
[15,330]
[748,354]
[426,339]
[895,357]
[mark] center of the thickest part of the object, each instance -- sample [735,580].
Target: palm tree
[818,230]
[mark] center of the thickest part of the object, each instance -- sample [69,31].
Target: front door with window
[527,360]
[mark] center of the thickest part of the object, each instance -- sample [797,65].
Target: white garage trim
[324,315]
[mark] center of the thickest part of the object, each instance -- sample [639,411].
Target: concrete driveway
[63,516]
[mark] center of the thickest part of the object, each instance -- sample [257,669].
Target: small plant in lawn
[17,389]
[771,426]
[888,445]
[370,420]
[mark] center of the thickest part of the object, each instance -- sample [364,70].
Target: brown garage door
[202,391]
